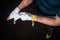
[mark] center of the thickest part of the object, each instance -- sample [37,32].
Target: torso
[48,7]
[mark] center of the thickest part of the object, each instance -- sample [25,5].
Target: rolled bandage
[33,18]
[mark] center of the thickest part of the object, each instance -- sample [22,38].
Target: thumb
[14,22]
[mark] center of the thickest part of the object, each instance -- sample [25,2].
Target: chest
[49,7]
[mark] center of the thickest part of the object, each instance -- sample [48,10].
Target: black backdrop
[21,30]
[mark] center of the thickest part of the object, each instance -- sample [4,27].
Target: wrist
[34,17]
[17,8]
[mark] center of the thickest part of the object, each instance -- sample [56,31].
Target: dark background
[22,30]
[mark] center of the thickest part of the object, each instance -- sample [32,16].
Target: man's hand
[22,15]
[15,17]
[14,14]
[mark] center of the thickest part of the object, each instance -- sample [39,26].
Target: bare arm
[24,3]
[54,21]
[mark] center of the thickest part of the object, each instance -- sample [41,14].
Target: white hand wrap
[14,13]
[24,16]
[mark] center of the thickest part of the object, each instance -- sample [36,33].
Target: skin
[54,21]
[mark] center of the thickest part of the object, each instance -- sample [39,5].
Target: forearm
[47,21]
[24,3]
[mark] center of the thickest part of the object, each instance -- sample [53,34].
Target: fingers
[8,18]
[14,22]
[15,17]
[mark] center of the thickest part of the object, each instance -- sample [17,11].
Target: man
[53,10]
[49,9]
